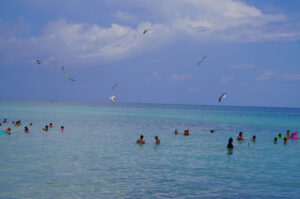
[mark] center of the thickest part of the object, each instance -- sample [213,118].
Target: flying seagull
[112,99]
[115,85]
[202,60]
[145,31]
[66,75]
[38,61]
[222,96]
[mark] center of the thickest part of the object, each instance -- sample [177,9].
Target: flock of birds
[113,98]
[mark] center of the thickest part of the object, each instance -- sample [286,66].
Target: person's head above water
[230,140]
[62,127]
[142,137]
[26,128]
[275,140]
[241,133]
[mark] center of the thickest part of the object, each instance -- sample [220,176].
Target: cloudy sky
[252,49]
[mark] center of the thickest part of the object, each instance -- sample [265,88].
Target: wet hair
[156,137]
[241,133]
[50,123]
[254,136]
[230,140]
[46,126]
[141,136]
[26,128]
[275,139]
[285,139]
[62,127]
[279,134]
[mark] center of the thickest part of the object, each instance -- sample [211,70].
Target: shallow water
[96,156]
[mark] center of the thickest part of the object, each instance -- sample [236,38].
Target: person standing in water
[186,132]
[230,145]
[287,134]
[253,138]
[275,140]
[46,128]
[8,130]
[157,141]
[176,132]
[240,137]
[26,130]
[141,140]
[285,141]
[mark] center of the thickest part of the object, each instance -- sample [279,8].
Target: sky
[252,49]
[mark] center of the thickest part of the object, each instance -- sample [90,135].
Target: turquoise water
[96,156]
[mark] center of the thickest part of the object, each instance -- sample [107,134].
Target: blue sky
[252,49]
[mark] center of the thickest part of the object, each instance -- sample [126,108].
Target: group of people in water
[26,129]
[239,138]
[157,140]
[285,138]
[230,141]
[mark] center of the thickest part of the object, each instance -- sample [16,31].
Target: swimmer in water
[230,145]
[141,140]
[253,138]
[212,131]
[8,130]
[62,128]
[287,134]
[275,140]
[157,141]
[26,130]
[186,132]
[240,137]
[285,141]
[176,132]
[46,128]
[51,125]
[279,135]
[30,124]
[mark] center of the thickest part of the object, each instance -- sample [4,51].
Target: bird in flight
[145,31]
[66,75]
[222,96]
[114,86]
[202,60]
[112,99]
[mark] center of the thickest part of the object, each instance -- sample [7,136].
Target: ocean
[97,155]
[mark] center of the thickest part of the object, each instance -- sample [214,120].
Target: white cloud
[265,75]
[226,79]
[204,20]
[179,78]
[154,76]
[241,67]
[124,16]
[279,76]
[295,77]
